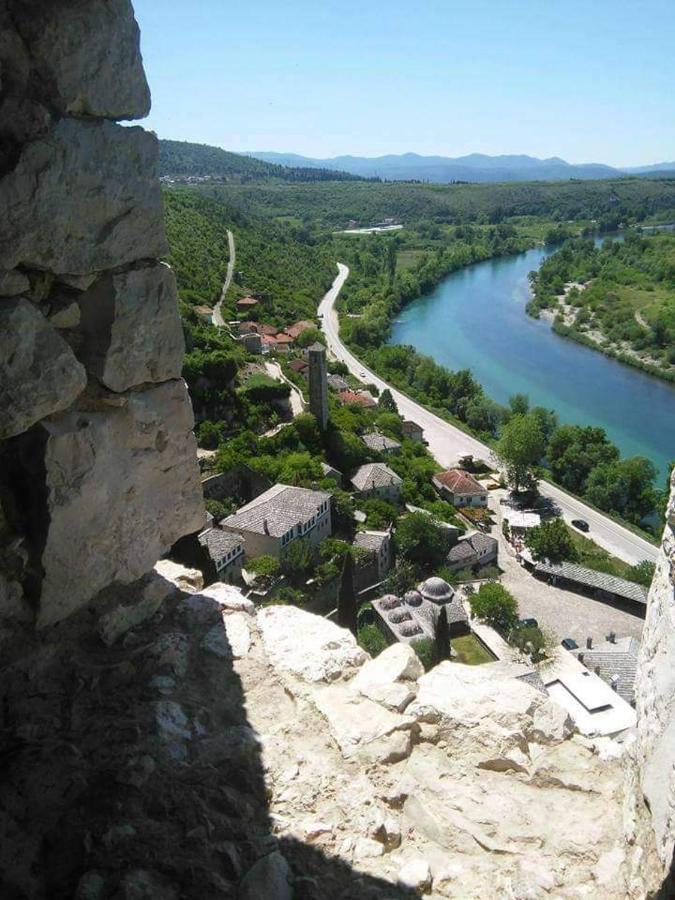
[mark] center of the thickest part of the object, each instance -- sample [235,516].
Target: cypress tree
[442,636]
[346,607]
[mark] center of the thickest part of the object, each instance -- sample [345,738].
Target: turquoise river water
[476,319]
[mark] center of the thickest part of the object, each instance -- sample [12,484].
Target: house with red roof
[460,488]
[246,303]
[362,398]
[296,330]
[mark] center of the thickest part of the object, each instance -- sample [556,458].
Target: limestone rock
[151,593]
[122,486]
[188,580]
[269,879]
[131,328]
[310,647]
[12,283]
[363,728]
[39,374]
[230,639]
[390,678]
[81,199]
[551,723]
[224,598]
[86,55]
[416,874]
[66,317]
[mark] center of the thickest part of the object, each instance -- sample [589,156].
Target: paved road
[217,317]
[448,443]
[296,399]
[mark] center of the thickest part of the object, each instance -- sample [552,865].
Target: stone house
[223,555]
[473,550]
[412,430]
[278,517]
[332,473]
[377,481]
[380,443]
[337,383]
[378,543]
[460,488]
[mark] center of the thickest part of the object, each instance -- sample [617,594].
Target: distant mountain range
[474,167]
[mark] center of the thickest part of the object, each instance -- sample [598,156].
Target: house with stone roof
[412,430]
[413,617]
[615,661]
[337,383]
[471,551]
[380,443]
[377,481]
[460,488]
[224,555]
[278,517]
[299,365]
[379,544]
[246,303]
[625,593]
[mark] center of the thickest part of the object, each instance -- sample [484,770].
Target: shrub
[371,640]
[495,606]
[425,650]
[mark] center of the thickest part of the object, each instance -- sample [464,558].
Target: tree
[625,487]
[519,404]
[442,636]
[643,572]
[265,567]
[494,605]
[424,648]
[552,540]
[531,640]
[420,539]
[574,451]
[379,513]
[519,450]
[386,402]
[346,606]
[298,557]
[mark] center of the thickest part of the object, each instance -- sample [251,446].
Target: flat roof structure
[609,584]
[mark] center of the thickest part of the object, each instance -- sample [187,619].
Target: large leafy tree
[495,606]
[574,451]
[520,448]
[625,486]
[553,541]
[421,540]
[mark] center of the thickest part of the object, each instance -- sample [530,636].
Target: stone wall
[98,470]
[654,774]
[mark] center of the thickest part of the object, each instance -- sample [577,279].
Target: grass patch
[470,650]
[594,557]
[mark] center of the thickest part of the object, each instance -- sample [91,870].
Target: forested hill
[181,159]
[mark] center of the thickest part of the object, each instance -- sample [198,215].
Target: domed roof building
[436,590]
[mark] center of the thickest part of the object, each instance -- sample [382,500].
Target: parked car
[581,524]
[528,623]
[569,644]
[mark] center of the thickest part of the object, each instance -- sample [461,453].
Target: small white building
[460,488]
[377,481]
[521,521]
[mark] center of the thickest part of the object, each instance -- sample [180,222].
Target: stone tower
[318,384]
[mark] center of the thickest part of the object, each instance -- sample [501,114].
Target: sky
[586,80]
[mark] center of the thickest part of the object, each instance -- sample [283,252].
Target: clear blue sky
[588,80]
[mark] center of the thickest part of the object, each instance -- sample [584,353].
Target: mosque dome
[436,590]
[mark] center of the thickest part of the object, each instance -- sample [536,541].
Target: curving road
[217,316]
[448,443]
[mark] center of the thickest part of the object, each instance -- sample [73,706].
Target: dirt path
[217,317]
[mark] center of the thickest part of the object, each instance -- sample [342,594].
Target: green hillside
[179,159]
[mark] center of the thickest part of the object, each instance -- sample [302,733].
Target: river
[476,319]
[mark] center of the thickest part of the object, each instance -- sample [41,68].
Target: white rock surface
[39,374]
[122,487]
[59,213]
[184,578]
[390,678]
[230,639]
[151,594]
[308,646]
[131,328]
[416,874]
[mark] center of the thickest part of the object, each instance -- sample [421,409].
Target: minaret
[318,385]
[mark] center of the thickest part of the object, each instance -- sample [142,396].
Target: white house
[472,550]
[281,515]
[460,488]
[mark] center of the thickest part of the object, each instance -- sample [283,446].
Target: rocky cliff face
[98,475]
[652,825]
